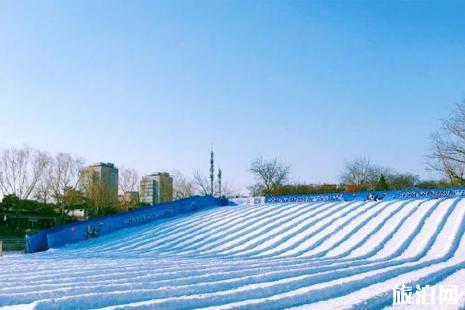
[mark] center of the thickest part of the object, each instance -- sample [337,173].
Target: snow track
[345,255]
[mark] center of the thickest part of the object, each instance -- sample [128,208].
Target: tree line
[446,157]
[34,181]
[32,175]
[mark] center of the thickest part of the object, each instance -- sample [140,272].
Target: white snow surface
[346,255]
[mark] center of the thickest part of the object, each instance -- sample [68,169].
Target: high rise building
[101,178]
[156,188]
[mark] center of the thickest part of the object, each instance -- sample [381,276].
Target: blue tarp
[78,231]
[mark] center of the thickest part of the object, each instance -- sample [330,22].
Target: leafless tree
[63,178]
[182,188]
[269,174]
[228,190]
[447,154]
[43,192]
[21,170]
[201,184]
[360,171]
[255,189]
[128,180]
[64,174]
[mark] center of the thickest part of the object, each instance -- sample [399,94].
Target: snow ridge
[338,255]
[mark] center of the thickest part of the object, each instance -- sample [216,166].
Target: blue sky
[152,84]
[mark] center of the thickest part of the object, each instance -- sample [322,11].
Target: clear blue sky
[151,84]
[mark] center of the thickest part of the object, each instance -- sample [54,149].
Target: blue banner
[78,231]
[378,195]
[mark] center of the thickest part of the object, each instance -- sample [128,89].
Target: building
[100,179]
[156,188]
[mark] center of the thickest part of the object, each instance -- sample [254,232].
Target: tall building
[156,188]
[101,178]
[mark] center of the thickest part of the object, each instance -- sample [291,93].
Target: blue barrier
[305,198]
[375,195]
[78,231]
[434,194]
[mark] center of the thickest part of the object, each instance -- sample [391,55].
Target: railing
[12,244]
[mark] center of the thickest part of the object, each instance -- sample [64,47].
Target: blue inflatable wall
[382,195]
[78,231]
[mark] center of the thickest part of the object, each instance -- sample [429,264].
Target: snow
[304,255]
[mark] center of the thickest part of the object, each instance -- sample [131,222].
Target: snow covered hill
[313,255]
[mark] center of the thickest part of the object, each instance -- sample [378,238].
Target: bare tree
[128,180]
[43,192]
[201,184]
[255,189]
[182,188]
[62,177]
[64,174]
[447,154]
[359,171]
[269,174]
[21,170]
[228,190]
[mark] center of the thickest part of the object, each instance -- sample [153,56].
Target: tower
[212,171]
[219,182]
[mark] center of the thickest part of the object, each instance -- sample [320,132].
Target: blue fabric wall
[384,195]
[78,231]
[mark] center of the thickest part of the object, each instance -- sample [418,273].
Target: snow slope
[314,255]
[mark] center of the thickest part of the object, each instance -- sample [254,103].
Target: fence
[12,244]
[78,231]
